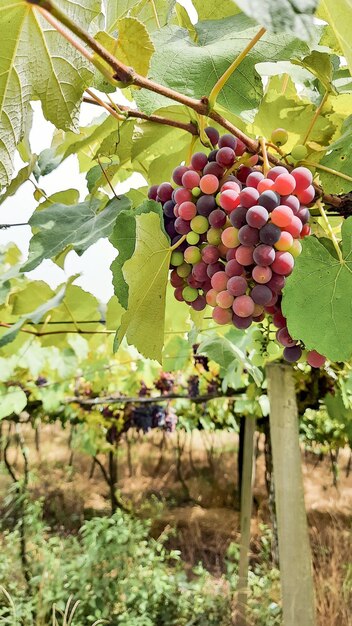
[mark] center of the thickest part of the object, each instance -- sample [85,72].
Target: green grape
[192,238]
[189,294]
[176,258]
[257,335]
[184,270]
[199,224]
[257,345]
[273,348]
[299,152]
[196,192]
[272,335]
[279,136]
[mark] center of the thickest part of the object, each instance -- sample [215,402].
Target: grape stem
[106,177]
[178,243]
[330,232]
[266,164]
[315,117]
[323,168]
[134,113]
[105,105]
[232,68]
[127,76]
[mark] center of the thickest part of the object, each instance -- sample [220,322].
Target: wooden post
[248,474]
[294,548]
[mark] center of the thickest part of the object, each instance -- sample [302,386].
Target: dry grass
[208,522]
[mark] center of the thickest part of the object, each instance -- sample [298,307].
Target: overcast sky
[94,264]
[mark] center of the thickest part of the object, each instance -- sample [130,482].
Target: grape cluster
[238,235]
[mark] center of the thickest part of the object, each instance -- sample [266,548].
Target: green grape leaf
[338,15]
[133,45]
[339,158]
[12,400]
[194,68]
[140,9]
[210,10]
[320,64]
[280,16]
[35,316]
[146,274]
[227,354]
[182,19]
[123,238]
[61,225]
[37,62]
[317,298]
[114,312]
[176,354]
[292,112]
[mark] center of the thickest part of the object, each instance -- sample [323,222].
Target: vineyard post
[294,548]
[248,474]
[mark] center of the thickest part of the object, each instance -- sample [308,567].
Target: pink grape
[199,161]
[219,281]
[261,274]
[178,173]
[243,173]
[264,255]
[213,268]
[257,216]
[254,178]
[225,157]
[217,218]
[285,242]
[243,306]
[182,195]
[237,286]
[178,294]
[284,337]
[238,217]
[265,185]
[181,226]
[212,134]
[307,195]
[229,200]
[187,210]
[306,230]
[205,205]
[292,354]
[314,359]
[276,282]
[224,299]
[231,184]
[279,320]
[248,236]
[241,322]
[303,214]
[249,197]
[228,141]
[190,179]
[276,171]
[199,303]
[165,192]
[222,316]
[192,282]
[282,216]
[211,297]
[230,238]
[295,227]
[175,279]
[233,268]
[261,294]
[199,271]
[244,255]
[213,169]
[269,200]
[209,183]
[240,147]
[269,234]
[210,254]
[303,177]
[283,263]
[285,184]
[292,202]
